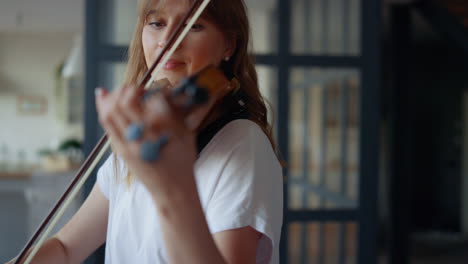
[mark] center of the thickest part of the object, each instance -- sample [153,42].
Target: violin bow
[100,149]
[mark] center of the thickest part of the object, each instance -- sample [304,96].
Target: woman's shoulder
[113,169]
[241,137]
[240,132]
[113,162]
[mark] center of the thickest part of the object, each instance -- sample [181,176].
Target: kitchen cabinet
[13,221]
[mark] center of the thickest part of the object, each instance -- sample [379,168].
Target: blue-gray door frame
[368,62]
[369,111]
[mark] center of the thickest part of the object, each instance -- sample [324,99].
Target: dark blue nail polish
[150,150]
[134,132]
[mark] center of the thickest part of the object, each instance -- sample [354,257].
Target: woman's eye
[156,24]
[196,27]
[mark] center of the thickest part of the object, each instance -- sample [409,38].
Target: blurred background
[369,101]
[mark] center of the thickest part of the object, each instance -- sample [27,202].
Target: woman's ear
[230,47]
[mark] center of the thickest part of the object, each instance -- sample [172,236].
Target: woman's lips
[172,64]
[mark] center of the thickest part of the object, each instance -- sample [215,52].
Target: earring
[226,58]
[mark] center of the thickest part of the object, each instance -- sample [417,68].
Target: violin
[205,88]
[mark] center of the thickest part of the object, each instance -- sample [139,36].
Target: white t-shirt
[239,181]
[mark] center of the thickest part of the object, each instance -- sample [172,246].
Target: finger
[106,112]
[112,130]
[102,106]
[131,102]
[111,120]
[119,107]
[131,111]
[100,93]
[156,115]
[118,142]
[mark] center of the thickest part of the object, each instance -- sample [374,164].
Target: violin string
[103,150]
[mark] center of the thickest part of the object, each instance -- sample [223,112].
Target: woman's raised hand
[151,136]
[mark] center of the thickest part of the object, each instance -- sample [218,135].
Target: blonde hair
[231,18]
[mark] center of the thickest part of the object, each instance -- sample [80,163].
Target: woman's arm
[87,230]
[186,234]
[238,245]
[83,234]
[52,251]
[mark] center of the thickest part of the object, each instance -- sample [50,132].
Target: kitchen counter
[19,181]
[25,200]
[15,175]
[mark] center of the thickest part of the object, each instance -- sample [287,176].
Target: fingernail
[98,91]
[134,132]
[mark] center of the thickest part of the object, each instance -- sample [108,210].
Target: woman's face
[204,45]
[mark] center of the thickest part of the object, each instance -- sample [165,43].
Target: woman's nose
[164,39]
[162,43]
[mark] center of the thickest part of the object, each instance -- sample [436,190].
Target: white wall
[28,62]
[125,18]
[41,15]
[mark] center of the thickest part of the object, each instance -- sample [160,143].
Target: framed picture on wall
[31,105]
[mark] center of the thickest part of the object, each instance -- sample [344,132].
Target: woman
[220,202]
